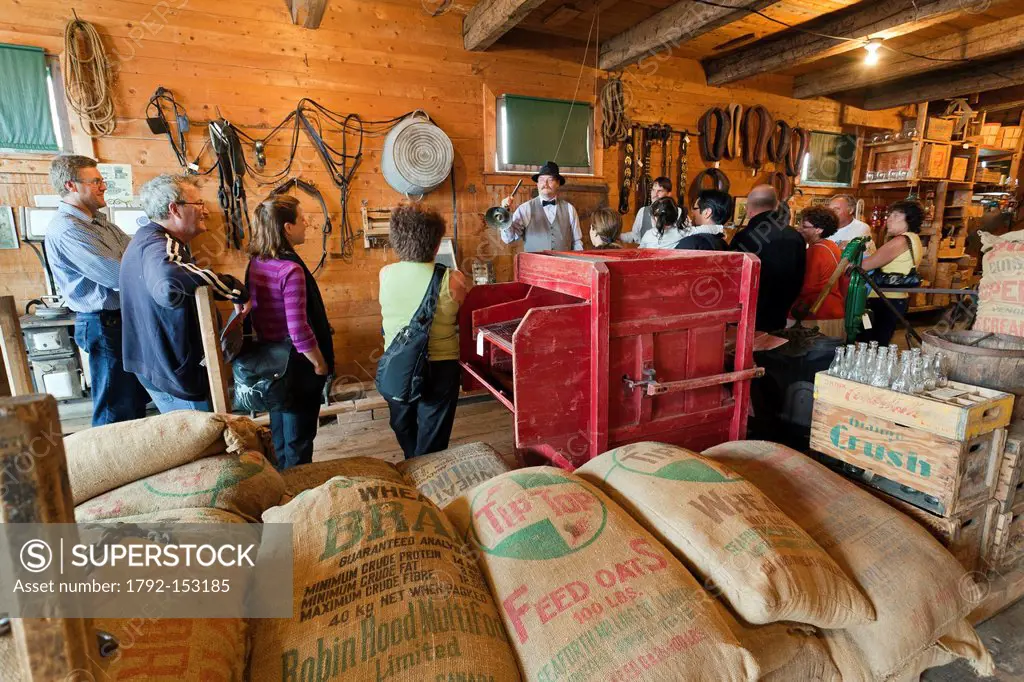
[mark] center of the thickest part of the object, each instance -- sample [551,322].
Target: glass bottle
[939,368]
[880,372]
[893,369]
[917,374]
[836,368]
[930,375]
[904,382]
[849,361]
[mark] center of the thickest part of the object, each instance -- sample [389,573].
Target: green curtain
[534,127]
[25,120]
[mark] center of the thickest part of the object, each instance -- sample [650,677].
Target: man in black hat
[545,223]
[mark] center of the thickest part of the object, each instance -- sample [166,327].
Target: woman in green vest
[425,425]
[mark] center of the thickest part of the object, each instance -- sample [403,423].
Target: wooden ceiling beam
[976,77]
[306,13]
[876,19]
[990,40]
[670,28]
[491,19]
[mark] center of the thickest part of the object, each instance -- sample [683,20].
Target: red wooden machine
[595,349]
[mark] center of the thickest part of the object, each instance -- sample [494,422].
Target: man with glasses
[159,278]
[84,252]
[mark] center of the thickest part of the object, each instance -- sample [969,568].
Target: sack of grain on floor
[307,476]
[730,535]
[175,649]
[588,594]
[442,476]
[787,652]
[381,591]
[244,484]
[1000,298]
[917,588]
[107,457]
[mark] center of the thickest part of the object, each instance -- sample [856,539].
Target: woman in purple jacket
[286,305]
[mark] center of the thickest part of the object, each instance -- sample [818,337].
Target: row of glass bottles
[906,372]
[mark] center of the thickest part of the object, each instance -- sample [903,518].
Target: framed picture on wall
[8,232]
[739,213]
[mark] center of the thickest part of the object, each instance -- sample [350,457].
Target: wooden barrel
[983,359]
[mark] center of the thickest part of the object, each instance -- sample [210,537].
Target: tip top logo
[36,556]
[537,516]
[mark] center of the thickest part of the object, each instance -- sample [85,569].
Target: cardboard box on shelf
[1008,137]
[958,169]
[934,160]
[939,128]
[990,133]
[961,197]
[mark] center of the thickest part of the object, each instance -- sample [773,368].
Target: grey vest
[646,223]
[544,236]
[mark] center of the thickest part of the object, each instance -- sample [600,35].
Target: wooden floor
[488,422]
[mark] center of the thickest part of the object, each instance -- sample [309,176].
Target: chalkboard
[533,130]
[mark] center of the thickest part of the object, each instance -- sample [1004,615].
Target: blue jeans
[165,402]
[117,395]
[294,427]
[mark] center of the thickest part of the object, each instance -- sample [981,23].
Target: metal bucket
[417,155]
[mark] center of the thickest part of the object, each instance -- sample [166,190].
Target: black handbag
[261,376]
[400,371]
[896,280]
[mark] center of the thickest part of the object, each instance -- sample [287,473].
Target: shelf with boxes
[939,455]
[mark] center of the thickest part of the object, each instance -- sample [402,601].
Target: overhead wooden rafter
[670,28]
[976,77]
[989,40]
[877,19]
[491,19]
[306,13]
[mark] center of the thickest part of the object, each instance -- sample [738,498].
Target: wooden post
[36,489]
[12,343]
[215,368]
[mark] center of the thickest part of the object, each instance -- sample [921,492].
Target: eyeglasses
[191,203]
[96,182]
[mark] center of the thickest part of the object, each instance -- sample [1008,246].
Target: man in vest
[661,187]
[545,223]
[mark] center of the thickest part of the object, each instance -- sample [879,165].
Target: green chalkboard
[530,131]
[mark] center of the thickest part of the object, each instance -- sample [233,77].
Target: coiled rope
[615,125]
[88,78]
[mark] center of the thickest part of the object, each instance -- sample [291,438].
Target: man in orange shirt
[823,255]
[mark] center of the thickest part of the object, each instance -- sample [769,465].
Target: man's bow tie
[547,202]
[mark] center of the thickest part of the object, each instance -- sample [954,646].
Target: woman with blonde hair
[287,307]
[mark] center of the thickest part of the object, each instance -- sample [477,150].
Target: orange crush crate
[595,349]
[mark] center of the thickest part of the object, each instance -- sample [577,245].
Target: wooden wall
[377,59]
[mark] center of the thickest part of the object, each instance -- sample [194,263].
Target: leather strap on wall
[732,142]
[712,145]
[799,143]
[757,128]
[627,173]
[684,149]
[720,181]
[782,184]
[778,143]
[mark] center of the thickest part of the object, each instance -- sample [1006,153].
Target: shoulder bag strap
[424,315]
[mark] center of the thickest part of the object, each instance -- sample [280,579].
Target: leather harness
[800,141]
[231,169]
[627,173]
[712,147]
[732,143]
[778,143]
[720,182]
[755,146]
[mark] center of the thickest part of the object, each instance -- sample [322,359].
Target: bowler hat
[550,168]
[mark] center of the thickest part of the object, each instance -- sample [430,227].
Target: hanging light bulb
[872,47]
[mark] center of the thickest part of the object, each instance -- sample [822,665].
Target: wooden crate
[939,129]
[934,160]
[1008,137]
[1010,488]
[960,412]
[990,133]
[1008,542]
[958,168]
[911,463]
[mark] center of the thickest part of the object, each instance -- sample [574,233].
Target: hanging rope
[615,124]
[88,78]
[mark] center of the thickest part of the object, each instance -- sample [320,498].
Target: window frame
[520,169]
[805,162]
[58,112]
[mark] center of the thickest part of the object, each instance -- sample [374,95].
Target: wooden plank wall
[377,59]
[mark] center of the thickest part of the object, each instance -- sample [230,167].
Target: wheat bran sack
[107,457]
[915,585]
[730,535]
[181,515]
[244,484]
[176,650]
[444,475]
[585,592]
[306,476]
[381,592]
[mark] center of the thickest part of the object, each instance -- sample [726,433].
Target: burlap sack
[107,457]
[442,476]
[1001,292]
[381,592]
[787,652]
[10,665]
[730,535]
[244,484]
[918,589]
[306,476]
[586,593]
[181,515]
[176,650]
